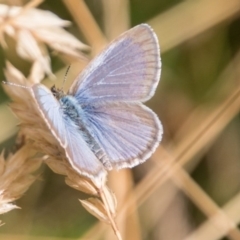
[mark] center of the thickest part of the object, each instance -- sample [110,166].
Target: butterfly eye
[54,91]
[57,93]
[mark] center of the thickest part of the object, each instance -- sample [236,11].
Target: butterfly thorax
[73,112]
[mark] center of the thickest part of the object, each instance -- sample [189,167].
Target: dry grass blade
[186,20]
[87,24]
[113,11]
[31,4]
[208,231]
[199,197]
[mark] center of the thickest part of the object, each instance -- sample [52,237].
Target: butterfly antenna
[15,84]
[65,77]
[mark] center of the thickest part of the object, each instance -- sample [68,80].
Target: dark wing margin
[128,69]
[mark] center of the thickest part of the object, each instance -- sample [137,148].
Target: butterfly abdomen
[74,113]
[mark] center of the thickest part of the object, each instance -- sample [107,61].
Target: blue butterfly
[101,122]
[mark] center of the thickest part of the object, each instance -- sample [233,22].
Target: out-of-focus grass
[198,103]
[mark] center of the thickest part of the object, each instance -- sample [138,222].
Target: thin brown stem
[31,4]
[111,219]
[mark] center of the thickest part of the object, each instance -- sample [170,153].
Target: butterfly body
[101,123]
[75,115]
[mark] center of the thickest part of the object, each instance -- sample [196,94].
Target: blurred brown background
[190,189]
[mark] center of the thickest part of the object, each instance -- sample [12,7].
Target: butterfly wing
[128,133]
[78,153]
[127,70]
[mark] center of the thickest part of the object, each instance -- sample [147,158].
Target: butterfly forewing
[66,132]
[127,70]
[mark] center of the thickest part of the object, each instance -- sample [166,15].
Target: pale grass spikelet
[96,208]
[73,179]
[39,137]
[33,29]
[16,176]
[103,205]
[111,198]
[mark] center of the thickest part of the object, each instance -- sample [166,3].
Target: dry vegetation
[189,189]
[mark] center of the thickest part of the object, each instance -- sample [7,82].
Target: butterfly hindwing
[128,133]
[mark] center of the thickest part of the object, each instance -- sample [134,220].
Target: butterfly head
[57,93]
